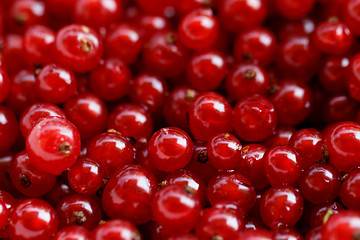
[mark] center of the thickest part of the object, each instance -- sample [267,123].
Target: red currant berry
[128,194]
[111,80]
[353,78]
[85,176]
[12,59]
[345,225]
[206,70]
[254,118]
[332,74]
[152,24]
[55,84]
[198,29]
[293,9]
[33,219]
[176,208]
[116,230]
[9,129]
[224,151]
[53,145]
[349,191]
[351,15]
[72,232]
[78,47]
[170,149]
[342,144]
[209,114]
[4,85]
[321,213]
[258,234]
[281,206]
[4,214]
[286,234]
[88,113]
[35,113]
[59,191]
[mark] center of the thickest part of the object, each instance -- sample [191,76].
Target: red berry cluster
[180,119]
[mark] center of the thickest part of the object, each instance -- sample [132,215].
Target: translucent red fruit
[198,29]
[129,193]
[352,77]
[254,118]
[4,85]
[78,47]
[170,149]
[345,225]
[9,128]
[53,145]
[293,9]
[349,191]
[342,144]
[209,114]
[281,206]
[176,208]
[119,228]
[72,232]
[33,219]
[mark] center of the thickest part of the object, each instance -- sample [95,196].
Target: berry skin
[132,121]
[111,150]
[78,210]
[55,84]
[282,165]
[320,183]
[345,225]
[4,214]
[320,214]
[342,143]
[78,47]
[352,77]
[293,9]
[85,176]
[206,70]
[72,232]
[351,16]
[33,219]
[88,113]
[9,129]
[176,208]
[260,234]
[332,38]
[111,80]
[280,137]
[247,79]
[198,29]
[35,113]
[231,186]
[53,145]
[349,191]
[332,74]
[209,114]
[254,118]
[116,230]
[281,206]
[4,85]
[170,149]
[28,179]
[128,194]
[224,151]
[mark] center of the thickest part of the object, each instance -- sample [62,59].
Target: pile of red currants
[180,119]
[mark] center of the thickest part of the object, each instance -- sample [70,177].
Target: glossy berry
[150,24]
[85,176]
[111,80]
[72,232]
[255,234]
[320,183]
[345,225]
[292,9]
[308,143]
[4,214]
[321,213]
[170,149]
[292,101]
[78,210]
[198,29]
[9,128]
[33,219]
[206,70]
[256,46]
[53,145]
[176,208]
[36,112]
[281,206]
[4,85]
[224,151]
[351,16]
[123,41]
[59,191]
[78,47]
[97,13]
[342,142]
[55,84]
[349,193]
[352,77]
[209,114]
[238,15]
[247,79]
[254,118]
[332,74]
[286,233]
[132,121]
[231,186]
[111,150]
[28,179]
[339,108]
[128,194]
[332,38]
[116,230]
[177,105]
[218,223]
[281,136]
[252,165]
[88,113]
